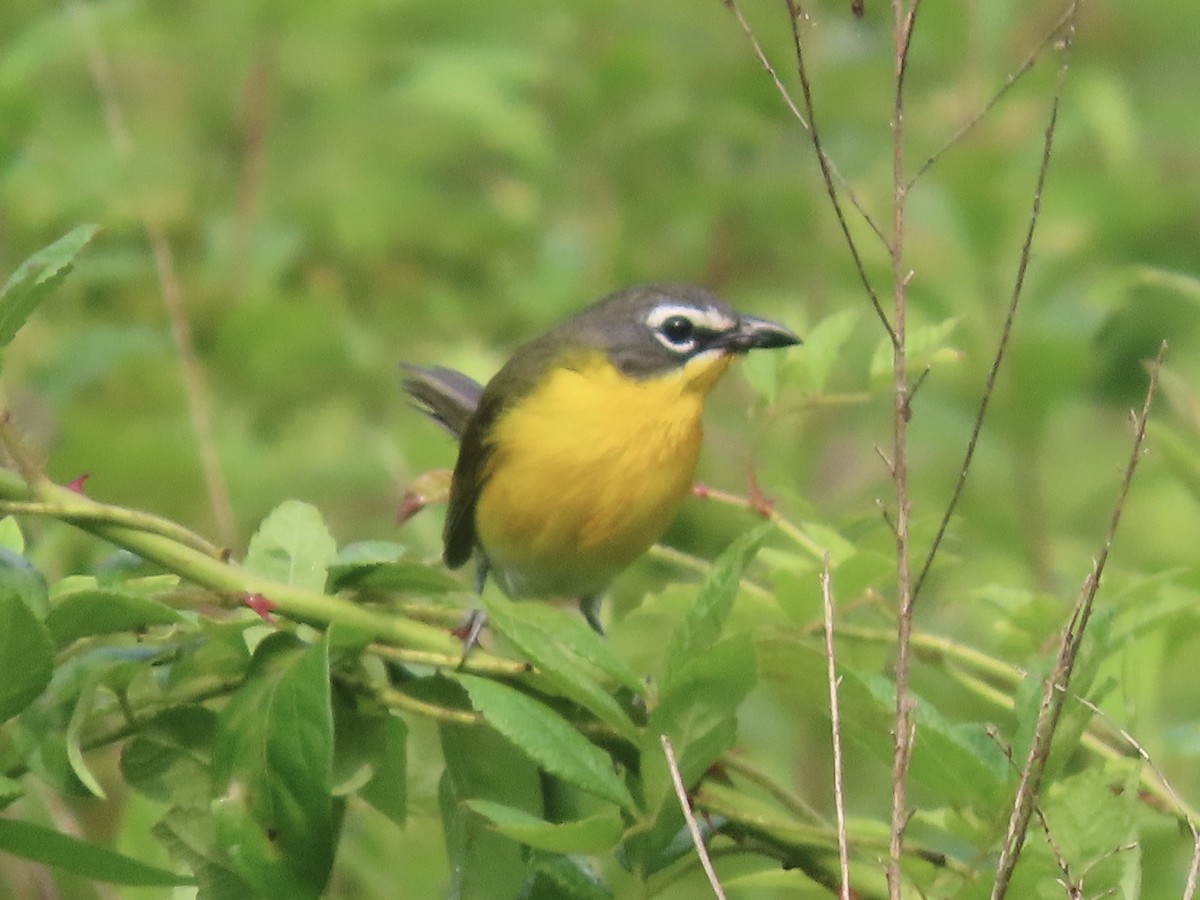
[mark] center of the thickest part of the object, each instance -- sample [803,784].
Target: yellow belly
[586,473]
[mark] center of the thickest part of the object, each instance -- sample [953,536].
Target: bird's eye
[679,330]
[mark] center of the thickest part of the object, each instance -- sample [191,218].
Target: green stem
[290,601]
[89,511]
[134,720]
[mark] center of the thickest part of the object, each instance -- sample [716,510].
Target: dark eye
[679,330]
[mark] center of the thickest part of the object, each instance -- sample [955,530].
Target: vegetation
[228,670]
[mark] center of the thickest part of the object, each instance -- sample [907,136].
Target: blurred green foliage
[345,186]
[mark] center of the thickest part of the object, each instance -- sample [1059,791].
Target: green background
[345,186]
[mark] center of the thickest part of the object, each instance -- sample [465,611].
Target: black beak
[759,334]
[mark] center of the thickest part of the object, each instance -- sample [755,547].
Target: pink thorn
[759,502]
[700,490]
[411,504]
[261,605]
[77,484]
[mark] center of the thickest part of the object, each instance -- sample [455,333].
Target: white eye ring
[676,326]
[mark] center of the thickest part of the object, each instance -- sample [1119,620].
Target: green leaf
[36,278]
[44,845]
[704,619]
[762,371]
[387,790]
[169,758]
[189,837]
[272,767]
[697,710]
[79,717]
[10,790]
[546,739]
[823,346]
[926,346]
[481,764]
[19,578]
[11,537]
[222,653]
[955,763]
[593,835]
[381,565]
[568,879]
[569,655]
[1181,455]
[1091,814]
[292,546]
[105,611]
[26,656]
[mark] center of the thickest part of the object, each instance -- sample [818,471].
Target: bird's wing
[519,376]
[469,476]
[446,396]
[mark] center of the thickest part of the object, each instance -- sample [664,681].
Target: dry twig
[904,733]
[1010,316]
[828,167]
[1068,17]
[1054,695]
[171,287]
[839,789]
[686,807]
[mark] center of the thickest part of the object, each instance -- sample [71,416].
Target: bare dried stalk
[1180,805]
[1054,694]
[686,807]
[1068,16]
[904,734]
[1014,300]
[1066,881]
[805,123]
[1193,875]
[255,118]
[835,724]
[170,286]
[827,172]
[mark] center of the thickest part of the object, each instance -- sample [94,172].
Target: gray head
[652,329]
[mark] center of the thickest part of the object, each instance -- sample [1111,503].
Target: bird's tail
[446,396]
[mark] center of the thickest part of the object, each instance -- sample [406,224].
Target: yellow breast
[587,472]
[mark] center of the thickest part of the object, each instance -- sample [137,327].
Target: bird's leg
[472,626]
[469,631]
[590,607]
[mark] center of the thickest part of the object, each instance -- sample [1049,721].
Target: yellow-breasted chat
[577,455]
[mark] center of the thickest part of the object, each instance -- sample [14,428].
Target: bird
[578,453]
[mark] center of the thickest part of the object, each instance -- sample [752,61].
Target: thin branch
[792,802]
[702,567]
[170,286]
[996,681]
[1054,694]
[101,734]
[254,118]
[805,123]
[398,700]
[491,665]
[31,473]
[1010,316]
[114,515]
[1193,870]
[827,173]
[685,807]
[1182,807]
[794,532]
[839,788]
[1068,16]
[1067,881]
[904,734]
[292,601]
